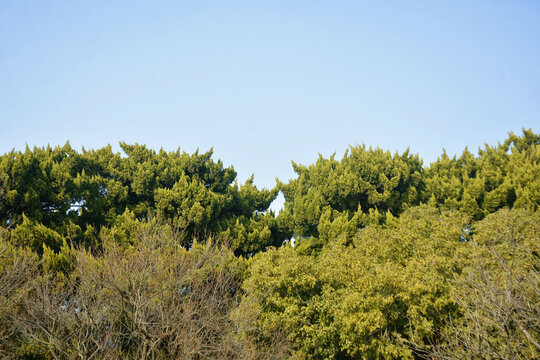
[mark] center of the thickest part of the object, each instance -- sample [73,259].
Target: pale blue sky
[266,82]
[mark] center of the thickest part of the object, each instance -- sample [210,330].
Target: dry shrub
[18,268]
[499,293]
[151,300]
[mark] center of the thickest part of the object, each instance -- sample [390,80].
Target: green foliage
[38,183]
[62,261]
[507,175]
[367,299]
[124,230]
[364,180]
[101,256]
[76,194]
[36,236]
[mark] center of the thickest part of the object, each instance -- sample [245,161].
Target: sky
[267,82]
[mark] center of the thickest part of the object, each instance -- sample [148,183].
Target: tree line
[155,254]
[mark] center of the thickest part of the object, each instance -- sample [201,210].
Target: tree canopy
[155,254]
[76,194]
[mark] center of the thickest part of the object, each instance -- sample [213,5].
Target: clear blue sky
[266,82]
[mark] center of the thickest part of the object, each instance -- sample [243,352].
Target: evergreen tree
[506,175]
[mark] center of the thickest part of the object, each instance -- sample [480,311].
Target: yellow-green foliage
[61,261]
[76,194]
[101,256]
[35,236]
[365,179]
[366,300]
[249,234]
[507,175]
